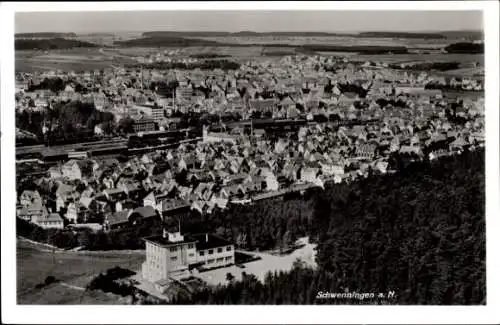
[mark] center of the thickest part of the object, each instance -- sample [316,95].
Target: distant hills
[401,35]
[382,34]
[44,35]
[464,34]
[239,34]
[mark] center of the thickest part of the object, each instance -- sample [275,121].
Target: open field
[59,294]
[67,60]
[266,263]
[72,268]
[413,57]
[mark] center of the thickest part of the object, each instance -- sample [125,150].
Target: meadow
[72,269]
[81,59]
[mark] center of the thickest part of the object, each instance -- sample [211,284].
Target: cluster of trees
[31,122]
[163,88]
[53,84]
[56,85]
[126,238]
[447,86]
[404,237]
[69,120]
[465,48]
[299,286]
[75,117]
[439,66]
[43,35]
[107,282]
[264,225]
[165,41]
[352,88]
[382,102]
[50,44]
[55,237]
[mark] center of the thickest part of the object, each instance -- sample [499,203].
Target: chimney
[206,237]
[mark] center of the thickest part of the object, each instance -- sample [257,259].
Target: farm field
[71,268]
[101,58]
[67,60]
[413,57]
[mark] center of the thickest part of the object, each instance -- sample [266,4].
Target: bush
[49,280]
[107,282]
[464,47]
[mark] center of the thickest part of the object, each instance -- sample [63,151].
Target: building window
[173,258]
[229,258]
[191,254]
[173,249]
[210,251]
[229,248]
[202,253]
[220,260]
[190,246]
[219,250]
[210,261]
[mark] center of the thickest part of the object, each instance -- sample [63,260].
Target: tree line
[50,44]
[57,85]
[429,66]
[465,48]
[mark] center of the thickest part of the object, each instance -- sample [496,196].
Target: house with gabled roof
[129,186]
[253,183]
[78,169]
[458,145]
[32,211]
[204,191]
[173,207]
[65,193]
[154,199]
[116,220]
[50,220]
[114,194]
[27,197]
[77,212]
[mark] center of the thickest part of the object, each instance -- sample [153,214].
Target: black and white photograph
[267,156]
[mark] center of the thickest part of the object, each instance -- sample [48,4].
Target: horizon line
[263,32]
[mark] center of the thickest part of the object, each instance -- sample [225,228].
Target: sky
[259,21]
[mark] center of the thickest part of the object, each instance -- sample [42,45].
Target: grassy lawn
[57,294]
[73,268]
